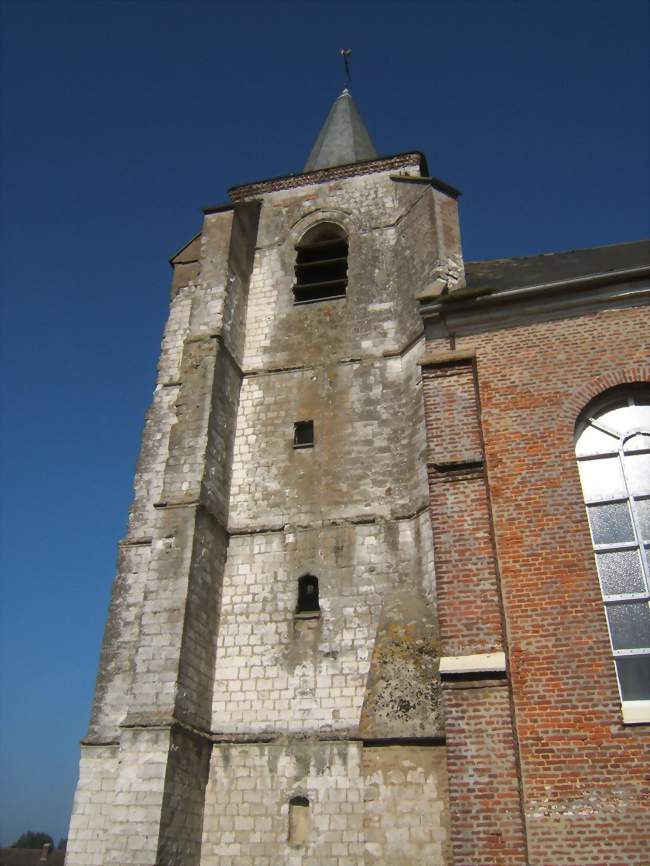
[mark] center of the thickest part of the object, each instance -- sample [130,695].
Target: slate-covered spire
[343,138]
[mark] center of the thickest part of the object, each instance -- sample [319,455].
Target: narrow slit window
[308,603]
[298,821]
[321,264]
[303,434]
[613,452]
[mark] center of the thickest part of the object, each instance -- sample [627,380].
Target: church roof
[500,275]
[343,139]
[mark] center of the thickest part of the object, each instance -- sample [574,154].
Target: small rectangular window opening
[308,602]
[303,434]
[298,821]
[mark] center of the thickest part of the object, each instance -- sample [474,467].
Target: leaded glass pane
[602,479]
[620,572]
[637,470]
[626,418]
[638,442]
[594,441]
[611,523]
[634,677]
[640,416]
[617,494]
[642,509]
[629,623]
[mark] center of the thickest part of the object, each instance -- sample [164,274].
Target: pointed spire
[343,138]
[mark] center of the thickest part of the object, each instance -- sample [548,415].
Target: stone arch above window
[613,453]
[321,271]
[308,601]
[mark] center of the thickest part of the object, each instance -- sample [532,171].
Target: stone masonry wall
[367,806]
[94,802]
[247,804]
[158,655]
[378,314]
[192,416]
[123,626]
[361,464]
[132,834]
[405,816]
[278,673]
[181,820]
[336,510]
[227,515]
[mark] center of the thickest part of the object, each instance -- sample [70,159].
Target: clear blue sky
[120,120]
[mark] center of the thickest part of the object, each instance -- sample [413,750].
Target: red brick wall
[484,798]
[586,776]
[468,606]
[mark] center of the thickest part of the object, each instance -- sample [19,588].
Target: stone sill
[636,712]
[476,663]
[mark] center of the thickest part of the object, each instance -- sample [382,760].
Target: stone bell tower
[267,691]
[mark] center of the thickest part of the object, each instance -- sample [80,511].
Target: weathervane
[345,54]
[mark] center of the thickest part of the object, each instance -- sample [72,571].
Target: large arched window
[321,264]
[613,451]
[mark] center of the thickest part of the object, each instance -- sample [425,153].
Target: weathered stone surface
[405,815]
[402,691]
[203,641]
[367,806]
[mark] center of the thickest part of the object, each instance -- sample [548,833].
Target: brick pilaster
[485,807]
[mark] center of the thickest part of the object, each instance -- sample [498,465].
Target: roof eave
[471,300]
[475,305]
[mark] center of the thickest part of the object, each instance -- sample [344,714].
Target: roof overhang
[481,308]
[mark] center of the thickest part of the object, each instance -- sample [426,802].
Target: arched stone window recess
[308,605]
[299,821]
[321,264]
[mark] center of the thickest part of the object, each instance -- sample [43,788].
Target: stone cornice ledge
[401,160]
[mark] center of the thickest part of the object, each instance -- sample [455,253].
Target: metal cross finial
[345,54]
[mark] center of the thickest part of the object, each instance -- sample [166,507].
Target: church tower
[268,688]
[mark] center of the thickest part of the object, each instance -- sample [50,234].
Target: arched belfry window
[321,264]
[613,452]
[308,603]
